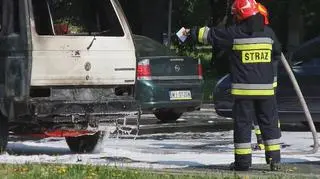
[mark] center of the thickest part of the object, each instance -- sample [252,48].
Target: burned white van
[67,68]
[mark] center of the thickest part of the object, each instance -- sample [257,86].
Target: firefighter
[252,47]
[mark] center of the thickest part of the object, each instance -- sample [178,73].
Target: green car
[167,85]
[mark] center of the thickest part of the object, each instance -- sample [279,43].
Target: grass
[48,171]
[82,171]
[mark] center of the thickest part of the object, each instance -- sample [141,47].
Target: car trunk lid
[169,68]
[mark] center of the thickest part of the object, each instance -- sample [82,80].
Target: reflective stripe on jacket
[275,82]
[252,89]
[253,51]
[203,35]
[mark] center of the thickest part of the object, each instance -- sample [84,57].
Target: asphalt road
[197,121]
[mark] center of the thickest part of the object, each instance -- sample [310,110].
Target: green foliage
[191,12]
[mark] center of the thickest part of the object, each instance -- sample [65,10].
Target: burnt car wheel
[84,144]
[167,116]
[4,133]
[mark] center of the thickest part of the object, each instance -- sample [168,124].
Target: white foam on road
[154,151]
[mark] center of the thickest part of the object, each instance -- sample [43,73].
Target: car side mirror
[61,29]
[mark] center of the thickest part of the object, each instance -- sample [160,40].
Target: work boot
[274,166]
[236,167]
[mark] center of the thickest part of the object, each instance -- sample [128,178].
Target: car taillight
[143,70]
[200,72]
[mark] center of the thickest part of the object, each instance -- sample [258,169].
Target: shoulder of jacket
[268,29]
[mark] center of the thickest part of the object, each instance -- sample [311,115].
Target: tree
[148,18]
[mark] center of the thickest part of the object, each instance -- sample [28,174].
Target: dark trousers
[265,111]
[257,128]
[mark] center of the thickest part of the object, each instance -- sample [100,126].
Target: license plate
[180,95]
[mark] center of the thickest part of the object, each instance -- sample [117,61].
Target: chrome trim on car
[191,77]
[177,60]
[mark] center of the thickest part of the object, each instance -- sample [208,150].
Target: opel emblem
[177,68]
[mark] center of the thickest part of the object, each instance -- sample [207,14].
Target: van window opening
[76,18]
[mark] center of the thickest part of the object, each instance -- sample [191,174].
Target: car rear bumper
[154,95]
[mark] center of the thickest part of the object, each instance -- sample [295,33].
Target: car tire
[84,144]
[4,133]
[167,116]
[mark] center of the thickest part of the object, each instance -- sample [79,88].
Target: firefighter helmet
[243,9]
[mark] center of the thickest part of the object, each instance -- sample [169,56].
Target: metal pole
[169,23]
